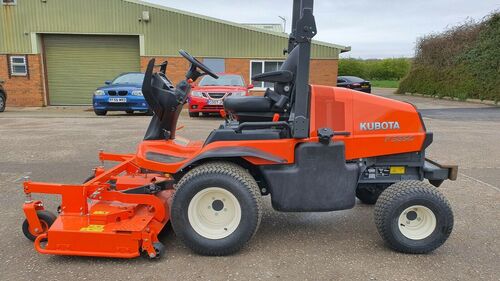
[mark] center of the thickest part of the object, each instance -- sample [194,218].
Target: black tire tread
[2,96]
[406,189]
[232,170]
[44,215]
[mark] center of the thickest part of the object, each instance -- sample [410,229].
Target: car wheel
[216,208]
[2,102]
[129,111]
[194,114]
[413,217]
[100,112]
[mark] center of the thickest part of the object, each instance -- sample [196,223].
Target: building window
[9,2]
[258,67]
[216,65]
[18,66]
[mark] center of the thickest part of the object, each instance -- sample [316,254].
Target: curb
[476,101]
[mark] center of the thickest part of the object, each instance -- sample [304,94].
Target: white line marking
[481,182]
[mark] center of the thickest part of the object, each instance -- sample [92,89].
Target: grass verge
[385,83]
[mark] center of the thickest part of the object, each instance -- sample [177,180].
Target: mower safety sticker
[100,213]
[397,170]
[93,228]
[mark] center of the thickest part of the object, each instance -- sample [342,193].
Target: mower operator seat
[263,108]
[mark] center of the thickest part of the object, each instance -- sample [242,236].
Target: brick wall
[176,70]
[29,91]
[24,90]
[323,72]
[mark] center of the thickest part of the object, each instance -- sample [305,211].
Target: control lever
[325,135]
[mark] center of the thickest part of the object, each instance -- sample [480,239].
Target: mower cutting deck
[117,213]
[310,148]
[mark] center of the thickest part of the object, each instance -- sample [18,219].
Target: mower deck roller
[311,148]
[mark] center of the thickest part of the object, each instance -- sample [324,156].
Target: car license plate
[215,102]
[117,100]
[364,86]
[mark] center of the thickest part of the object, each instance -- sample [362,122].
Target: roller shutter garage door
[78,64]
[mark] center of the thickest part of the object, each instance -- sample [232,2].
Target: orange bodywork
[98,219]
[341,109]
[346,110]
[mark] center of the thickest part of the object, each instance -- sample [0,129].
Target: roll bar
[303,30]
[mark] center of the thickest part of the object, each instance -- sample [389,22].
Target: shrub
[462,62]
[386,69]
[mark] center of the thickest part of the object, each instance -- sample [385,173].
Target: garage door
[78,64]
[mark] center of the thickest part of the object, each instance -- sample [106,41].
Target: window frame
[263,64]
[14,2]
[12,64]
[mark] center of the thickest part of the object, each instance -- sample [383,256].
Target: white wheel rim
[214,213]
[417,222]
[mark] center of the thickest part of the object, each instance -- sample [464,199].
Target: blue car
[122,94]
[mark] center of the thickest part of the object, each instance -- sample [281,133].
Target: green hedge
[386,69]
[462,62]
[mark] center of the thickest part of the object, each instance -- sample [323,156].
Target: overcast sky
[374,28]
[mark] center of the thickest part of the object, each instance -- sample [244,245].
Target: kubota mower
[310,148]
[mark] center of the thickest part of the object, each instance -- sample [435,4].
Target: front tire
[100,112]
[216,209]
[413,217]
[194,114]
[2,102]
[150,112]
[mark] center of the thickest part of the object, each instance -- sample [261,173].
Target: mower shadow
[277,232]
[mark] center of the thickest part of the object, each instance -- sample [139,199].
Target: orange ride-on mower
[310,148]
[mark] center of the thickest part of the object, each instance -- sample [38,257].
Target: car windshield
[353,79]
[129,78]
[224,80]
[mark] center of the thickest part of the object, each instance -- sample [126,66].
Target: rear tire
[216,209]
[100,112]
[194,114]
[2,102]
[46,219]
[413,217]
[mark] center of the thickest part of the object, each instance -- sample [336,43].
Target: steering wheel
[193,73]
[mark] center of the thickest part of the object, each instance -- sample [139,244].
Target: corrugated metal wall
[165,33]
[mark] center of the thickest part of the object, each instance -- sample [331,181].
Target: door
[78,64]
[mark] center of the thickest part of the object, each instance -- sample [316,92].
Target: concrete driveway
[60,145]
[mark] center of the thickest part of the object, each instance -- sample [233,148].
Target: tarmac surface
[60,145]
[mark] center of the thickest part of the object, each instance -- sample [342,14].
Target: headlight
[137,93]
[239,94]
[99,93]
[197,94]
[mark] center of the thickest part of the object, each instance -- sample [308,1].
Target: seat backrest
[285,90]
[166,102]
